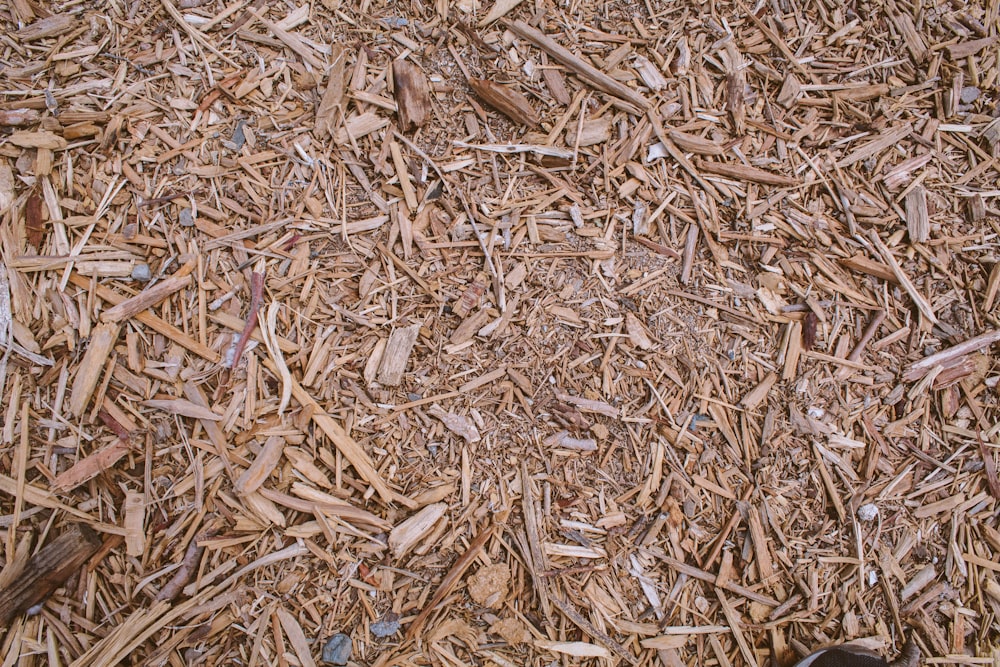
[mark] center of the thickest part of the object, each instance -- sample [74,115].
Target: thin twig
[256,296]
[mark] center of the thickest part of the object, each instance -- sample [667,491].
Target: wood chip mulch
[526,333]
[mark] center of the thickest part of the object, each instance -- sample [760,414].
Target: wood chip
[409,533]
[47,570]
[102,340]
[457,424]
[746,173]
[918,225]
[412,95]
[574,649]
[135,519]
[396,354]
[263,464]
[506,100]
[51,26]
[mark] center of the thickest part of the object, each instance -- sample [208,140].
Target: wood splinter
[47,570]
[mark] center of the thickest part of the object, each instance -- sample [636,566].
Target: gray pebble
[186,219]
[690,509]
[387,626]
[337,650]
[969,94]
[141,273]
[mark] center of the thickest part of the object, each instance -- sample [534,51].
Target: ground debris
[592,332]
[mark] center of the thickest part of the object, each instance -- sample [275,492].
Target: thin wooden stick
[450,580]
[922,304]
[627,99]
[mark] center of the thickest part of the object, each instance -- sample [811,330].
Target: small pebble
[141,273]
[695,418]
[690,509]
[186,219]
[387,626]
[236,143]
[868,512]
[969,94]
[337,650]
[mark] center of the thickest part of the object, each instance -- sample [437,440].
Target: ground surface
[606,333]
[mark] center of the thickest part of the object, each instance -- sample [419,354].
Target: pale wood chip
[406,535]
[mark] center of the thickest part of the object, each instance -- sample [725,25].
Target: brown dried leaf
[637,332]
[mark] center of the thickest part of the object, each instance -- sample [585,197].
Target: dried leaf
[333,95]
[637,332]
